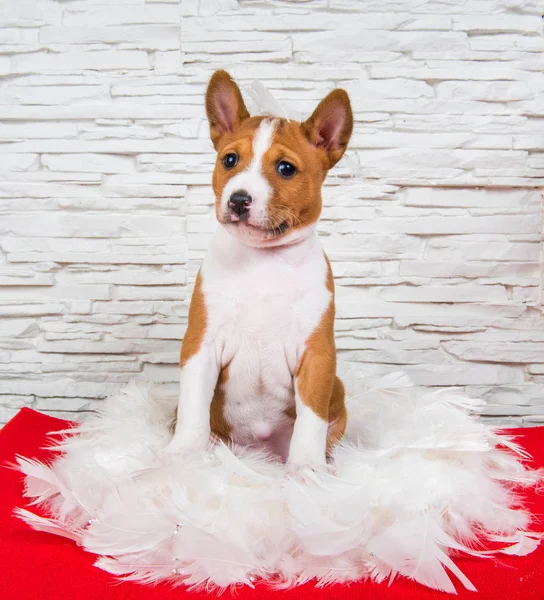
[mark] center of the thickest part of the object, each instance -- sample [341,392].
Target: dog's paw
[181,447]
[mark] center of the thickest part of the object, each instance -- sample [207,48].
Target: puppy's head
[268,174]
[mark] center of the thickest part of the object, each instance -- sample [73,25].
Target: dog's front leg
[198,379]
[199,373]
[314,380]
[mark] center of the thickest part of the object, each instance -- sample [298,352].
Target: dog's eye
[230,160]
[286,169]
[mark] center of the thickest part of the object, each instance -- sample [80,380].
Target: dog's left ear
[330,125]
[224,106]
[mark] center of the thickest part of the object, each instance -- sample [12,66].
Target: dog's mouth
[266,228]
[281,228]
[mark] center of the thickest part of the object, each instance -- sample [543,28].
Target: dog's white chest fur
[261,305]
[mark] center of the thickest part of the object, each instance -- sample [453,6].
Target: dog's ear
[224,105]
[330,125]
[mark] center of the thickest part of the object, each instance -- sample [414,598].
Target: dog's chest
[262,307]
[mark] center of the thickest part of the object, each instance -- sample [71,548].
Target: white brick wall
[106,209]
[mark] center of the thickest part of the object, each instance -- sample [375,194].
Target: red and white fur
[258,361]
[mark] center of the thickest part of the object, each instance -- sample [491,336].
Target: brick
[104,133]
[95,111]
[25,278]
[69,347]
[456,323]
[445,70]
[132,308]
[141,292]
[527,295]
[158,331]
[470,197]
[493,251]
[15,402]
[503,124]
[371,247]
[464,225]
[14,35]
[18,327]
[70,366]
[168,62]
[152,37]
[64,292]
[364,269]
[112,146]
[491,294]
[172,206]
[326,46]
[30,185]
[471,270]
[5,65]
[412,140]
[505,42]
[352,309]
[58,95]
[516,410]
[225,43]
[132,277]
[29,14]
[283,55]
[21,131]
[48,244]
[520,395]
[118,14]
[70,388]
[529,142]
[520,352]
[69,405]
[498,24]
[457,375]
[29,308]
[90,226]
[77,60]
[389,356]
[494,91]
[20,162]
[102,258]
[162,358]
[99,163]
[161,372]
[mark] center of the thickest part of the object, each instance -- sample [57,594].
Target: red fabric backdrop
[35,566]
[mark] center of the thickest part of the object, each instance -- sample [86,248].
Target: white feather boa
[415,478]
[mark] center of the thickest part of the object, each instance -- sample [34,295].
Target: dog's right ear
[330,126]
[224,106]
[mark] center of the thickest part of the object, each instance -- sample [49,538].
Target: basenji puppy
[258,360]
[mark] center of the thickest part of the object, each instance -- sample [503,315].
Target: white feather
[523,543]
[41,482]
[47,525]
[416,549]
[416,478]
[264,101]
[352,162]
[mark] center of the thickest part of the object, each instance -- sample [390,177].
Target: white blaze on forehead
[261,142]
[252,179]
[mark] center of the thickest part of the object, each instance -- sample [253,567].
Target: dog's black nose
[239,202]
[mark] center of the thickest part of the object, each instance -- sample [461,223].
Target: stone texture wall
[106,208]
